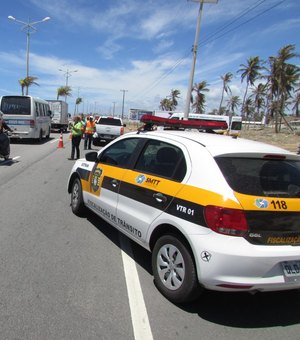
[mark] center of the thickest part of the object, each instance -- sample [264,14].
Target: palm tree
[296,102]
[174,96]
[226,79]
[259,94]
[64,91]
[248,108]
[251,73]
[27,82]
[233,103]
[199,102]
[282,79]
[166,104]
[77,103]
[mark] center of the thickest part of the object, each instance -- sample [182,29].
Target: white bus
[234,127]
[28,116]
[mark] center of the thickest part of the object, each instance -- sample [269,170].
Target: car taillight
[226,221]
[32,124]
[122,131]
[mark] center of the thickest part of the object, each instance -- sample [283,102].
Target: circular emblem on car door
[96,179]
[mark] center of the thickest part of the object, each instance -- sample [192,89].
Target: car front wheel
[77,204]
[174,269]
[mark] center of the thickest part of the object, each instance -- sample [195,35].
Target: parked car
[216,212]
[108,129]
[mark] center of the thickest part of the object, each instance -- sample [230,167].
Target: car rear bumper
[232,264]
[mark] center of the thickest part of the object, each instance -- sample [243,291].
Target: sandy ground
[284,139]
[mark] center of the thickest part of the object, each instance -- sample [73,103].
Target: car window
[109,121]
[162,159]
[119,153]
[260,177]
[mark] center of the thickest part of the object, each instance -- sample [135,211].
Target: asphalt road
[64,277]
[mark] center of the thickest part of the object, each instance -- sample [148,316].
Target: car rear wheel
[174,269]
[78,207]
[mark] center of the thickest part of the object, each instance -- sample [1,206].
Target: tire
[40,139]
[174,269]
[78,207]
[48,134]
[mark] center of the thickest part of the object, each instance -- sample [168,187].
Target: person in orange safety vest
[90,129]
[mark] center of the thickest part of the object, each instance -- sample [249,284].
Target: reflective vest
[90,127]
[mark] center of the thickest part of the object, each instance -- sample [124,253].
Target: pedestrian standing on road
[90,129]
[76,134]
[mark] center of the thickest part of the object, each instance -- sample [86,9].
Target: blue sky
[141,46]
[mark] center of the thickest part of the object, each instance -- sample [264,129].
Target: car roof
[218,145]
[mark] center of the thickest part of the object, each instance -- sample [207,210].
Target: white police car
[216,212]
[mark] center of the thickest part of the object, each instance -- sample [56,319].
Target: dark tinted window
[119,153]
[162,159]
[260,177]
[15,105]
[109,121]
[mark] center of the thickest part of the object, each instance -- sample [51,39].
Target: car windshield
[11,105]
[109,121]
[261,177]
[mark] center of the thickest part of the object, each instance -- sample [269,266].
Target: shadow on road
[240,310]
[243,310]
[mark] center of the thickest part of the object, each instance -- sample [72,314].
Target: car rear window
[109,121]
[261,177]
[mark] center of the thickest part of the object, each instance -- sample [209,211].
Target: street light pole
[194,50]
[114,103]
[68,74]
[29,27]
[123,102]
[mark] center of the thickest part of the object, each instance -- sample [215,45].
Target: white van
[29,117]
[234,127]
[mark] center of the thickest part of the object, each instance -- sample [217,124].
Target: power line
[214,36]
[241,24]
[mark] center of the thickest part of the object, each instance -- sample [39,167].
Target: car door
[148,188]
[106,176]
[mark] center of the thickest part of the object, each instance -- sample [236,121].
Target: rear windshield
[18,105]
[261,177]
[109,121]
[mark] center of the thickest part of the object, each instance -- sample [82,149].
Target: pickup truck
[107,129]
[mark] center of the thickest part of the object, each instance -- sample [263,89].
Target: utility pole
[194,50]
[123,102]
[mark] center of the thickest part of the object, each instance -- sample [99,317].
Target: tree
[296,102]
[170,102]
[199,102]
[233,103]
[64,91]
[166,104]
[226,79]
[77,103]
[248,108]
[282,79]
[174,96]
[259,94]
[26,83]
[251,72]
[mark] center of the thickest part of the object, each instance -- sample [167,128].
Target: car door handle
[114,183]
[160,198]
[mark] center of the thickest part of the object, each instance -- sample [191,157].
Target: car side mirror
[124,125]
[91,156]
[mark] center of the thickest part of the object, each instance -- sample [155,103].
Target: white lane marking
[139,316]
[54,141]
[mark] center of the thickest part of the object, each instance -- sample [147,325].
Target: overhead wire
[215,36]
